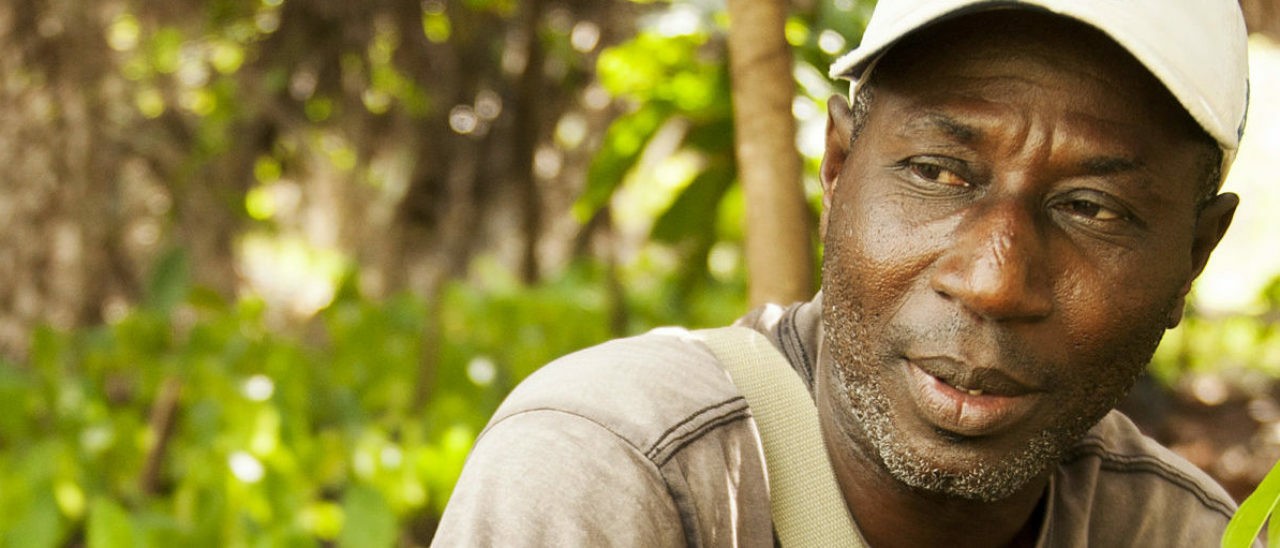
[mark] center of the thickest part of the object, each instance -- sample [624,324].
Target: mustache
[976,344]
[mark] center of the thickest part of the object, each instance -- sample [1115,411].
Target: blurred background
[270,264]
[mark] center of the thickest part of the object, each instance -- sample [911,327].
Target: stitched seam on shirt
[1114,462]
[791,339]
[653,449]
[683,441]
[665,445]
[564,412]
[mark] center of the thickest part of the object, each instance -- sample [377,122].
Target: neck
[891,514]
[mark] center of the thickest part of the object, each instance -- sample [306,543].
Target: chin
[926,458]
[942,464]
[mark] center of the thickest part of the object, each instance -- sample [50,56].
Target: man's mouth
[971,380]
[968,402]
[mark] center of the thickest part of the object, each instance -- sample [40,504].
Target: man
[1014,210]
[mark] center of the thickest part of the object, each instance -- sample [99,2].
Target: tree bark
[1262,16]
[526,141]
[779,258]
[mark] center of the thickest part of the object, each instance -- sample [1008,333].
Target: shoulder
[1119,484]
[646,390]
[641,441]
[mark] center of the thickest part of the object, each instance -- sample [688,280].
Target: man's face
[1007,240]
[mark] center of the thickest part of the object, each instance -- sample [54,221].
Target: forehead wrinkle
[967,119]
[931,121]
[970,127]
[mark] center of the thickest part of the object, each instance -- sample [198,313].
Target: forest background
[270,264]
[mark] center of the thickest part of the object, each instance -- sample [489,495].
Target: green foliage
[675,79]
[109,525]
[288,437]
[169,281]
[1241,343]
[371,522]
[1254,511]
[1204,344]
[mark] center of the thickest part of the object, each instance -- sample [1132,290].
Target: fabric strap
[806,504]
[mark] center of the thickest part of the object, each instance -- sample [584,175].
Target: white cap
[1196,48]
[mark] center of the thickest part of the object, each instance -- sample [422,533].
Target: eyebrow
[1109,165]
[931,121]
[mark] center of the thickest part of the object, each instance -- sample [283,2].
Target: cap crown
[1196,48]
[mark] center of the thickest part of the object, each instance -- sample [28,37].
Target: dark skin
[1015,226]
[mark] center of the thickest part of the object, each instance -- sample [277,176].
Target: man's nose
[997,264]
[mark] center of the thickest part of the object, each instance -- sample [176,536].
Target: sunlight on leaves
[226,56]
[124,32]
[323,519]
[109,526]
[150,102]
[70,497]
[436,26]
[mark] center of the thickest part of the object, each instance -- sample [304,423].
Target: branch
[163,412]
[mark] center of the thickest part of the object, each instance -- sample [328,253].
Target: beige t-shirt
[646,442]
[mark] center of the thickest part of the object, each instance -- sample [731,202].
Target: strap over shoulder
[807,506]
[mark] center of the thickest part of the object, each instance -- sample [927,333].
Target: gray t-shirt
[645,441]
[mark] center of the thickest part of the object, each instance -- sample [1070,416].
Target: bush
[352,428]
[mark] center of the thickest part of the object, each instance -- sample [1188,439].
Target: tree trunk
[63,207]
[779,258]
[526,141]
[1262,16]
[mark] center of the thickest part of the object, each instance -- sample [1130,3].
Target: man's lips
[982,380]
[968,402]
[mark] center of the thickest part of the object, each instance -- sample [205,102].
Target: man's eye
[1091,210]
[937,174]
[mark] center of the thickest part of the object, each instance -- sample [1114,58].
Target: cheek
[1118,288]
[1113,320]
[873,249]
[1104,290]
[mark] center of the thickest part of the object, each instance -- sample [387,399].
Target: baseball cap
[1196,48]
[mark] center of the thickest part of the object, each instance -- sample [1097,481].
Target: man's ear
[839,140]
[1214,220]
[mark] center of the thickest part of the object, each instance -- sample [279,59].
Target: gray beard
[984,481]
[863,393]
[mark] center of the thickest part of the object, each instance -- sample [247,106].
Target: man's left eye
[1092,210]
[938,174]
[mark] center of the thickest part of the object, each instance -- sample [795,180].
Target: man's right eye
[931,171]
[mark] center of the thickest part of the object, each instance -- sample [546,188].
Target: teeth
[974,392]
[970,391]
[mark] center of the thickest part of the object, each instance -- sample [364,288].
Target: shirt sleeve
[551,478]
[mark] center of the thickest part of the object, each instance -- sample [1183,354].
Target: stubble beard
[862,391]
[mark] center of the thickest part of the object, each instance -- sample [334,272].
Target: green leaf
[712,136]
[15,385]
[1271,294]
[109,525]
[1245,525]
[40,526]
[369,520]
[165,52]
[623,144]
[692,216]
[169,281]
